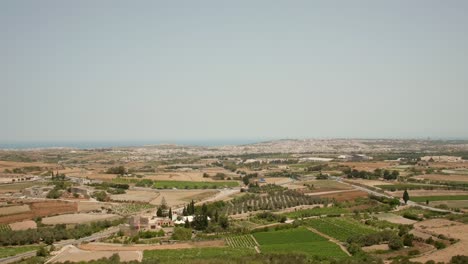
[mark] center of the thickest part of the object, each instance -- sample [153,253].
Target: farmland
[4,227]
[244,241]
[421,199]
[77,218]
[194,185]
[183,255]
[299,240]
[11,251]
[317,212]
[339,228]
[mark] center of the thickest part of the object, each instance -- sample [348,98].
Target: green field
[11,251]
[423,199]
[299,240]
[339,228]
[194,185]
[183,255]
[317,212]
[245,241]
[4,227]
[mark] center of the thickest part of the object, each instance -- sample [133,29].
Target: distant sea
[108,144]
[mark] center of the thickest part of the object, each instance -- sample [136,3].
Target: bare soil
[77,218]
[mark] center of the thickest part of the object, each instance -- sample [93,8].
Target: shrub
[395,243]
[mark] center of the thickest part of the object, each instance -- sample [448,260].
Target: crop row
[4,227]
[244,241]
[272,201]
[339,228]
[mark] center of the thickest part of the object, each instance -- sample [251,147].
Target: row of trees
[377,173]
[49,235]
[272,201]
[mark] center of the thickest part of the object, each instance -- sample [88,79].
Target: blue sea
[130,143]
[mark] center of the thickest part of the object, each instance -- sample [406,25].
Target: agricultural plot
[299,240]
[275,201]
[194,185]
[245,241]
[80,218]
[339,228]
[317,212]
[11,251]
[186,255]
[127,209]
[422,199]
[4,228]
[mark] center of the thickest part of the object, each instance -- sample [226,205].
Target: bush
[459,259]
[408,240]
[181,233]
[395,243]
[414,252]
[439,245]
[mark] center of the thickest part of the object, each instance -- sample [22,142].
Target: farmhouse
[150,222]
[12,178]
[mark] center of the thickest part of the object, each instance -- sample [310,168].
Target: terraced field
[245,241]
[298,240]
[339,228]
[317,212]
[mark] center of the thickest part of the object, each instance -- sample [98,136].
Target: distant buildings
[354,157]
[441,159]
[13,178]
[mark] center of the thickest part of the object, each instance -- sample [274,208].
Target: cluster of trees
[270,217]
[395,240]
[120,170]
[101,196]
[246,178]
[60,184]
[151,234]
[189,209]
[182,233]
[49,235]
[393,202]
[377,173]
[268,188]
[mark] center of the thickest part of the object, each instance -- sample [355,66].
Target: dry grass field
[15,209]
[73,254]
[443,177]
[369,166]
[418,193]
[136,196]
[86,206]
[371,183]
[346,195]
[80,218]
[451,204]
[15,164]
[42,209]
[24,225]
[449,229]
[181,197]
[396,219]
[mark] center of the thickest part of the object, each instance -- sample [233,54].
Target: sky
[219,70]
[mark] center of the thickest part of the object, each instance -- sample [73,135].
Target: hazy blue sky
[173,70]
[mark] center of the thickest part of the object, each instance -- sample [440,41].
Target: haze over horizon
[213,70]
